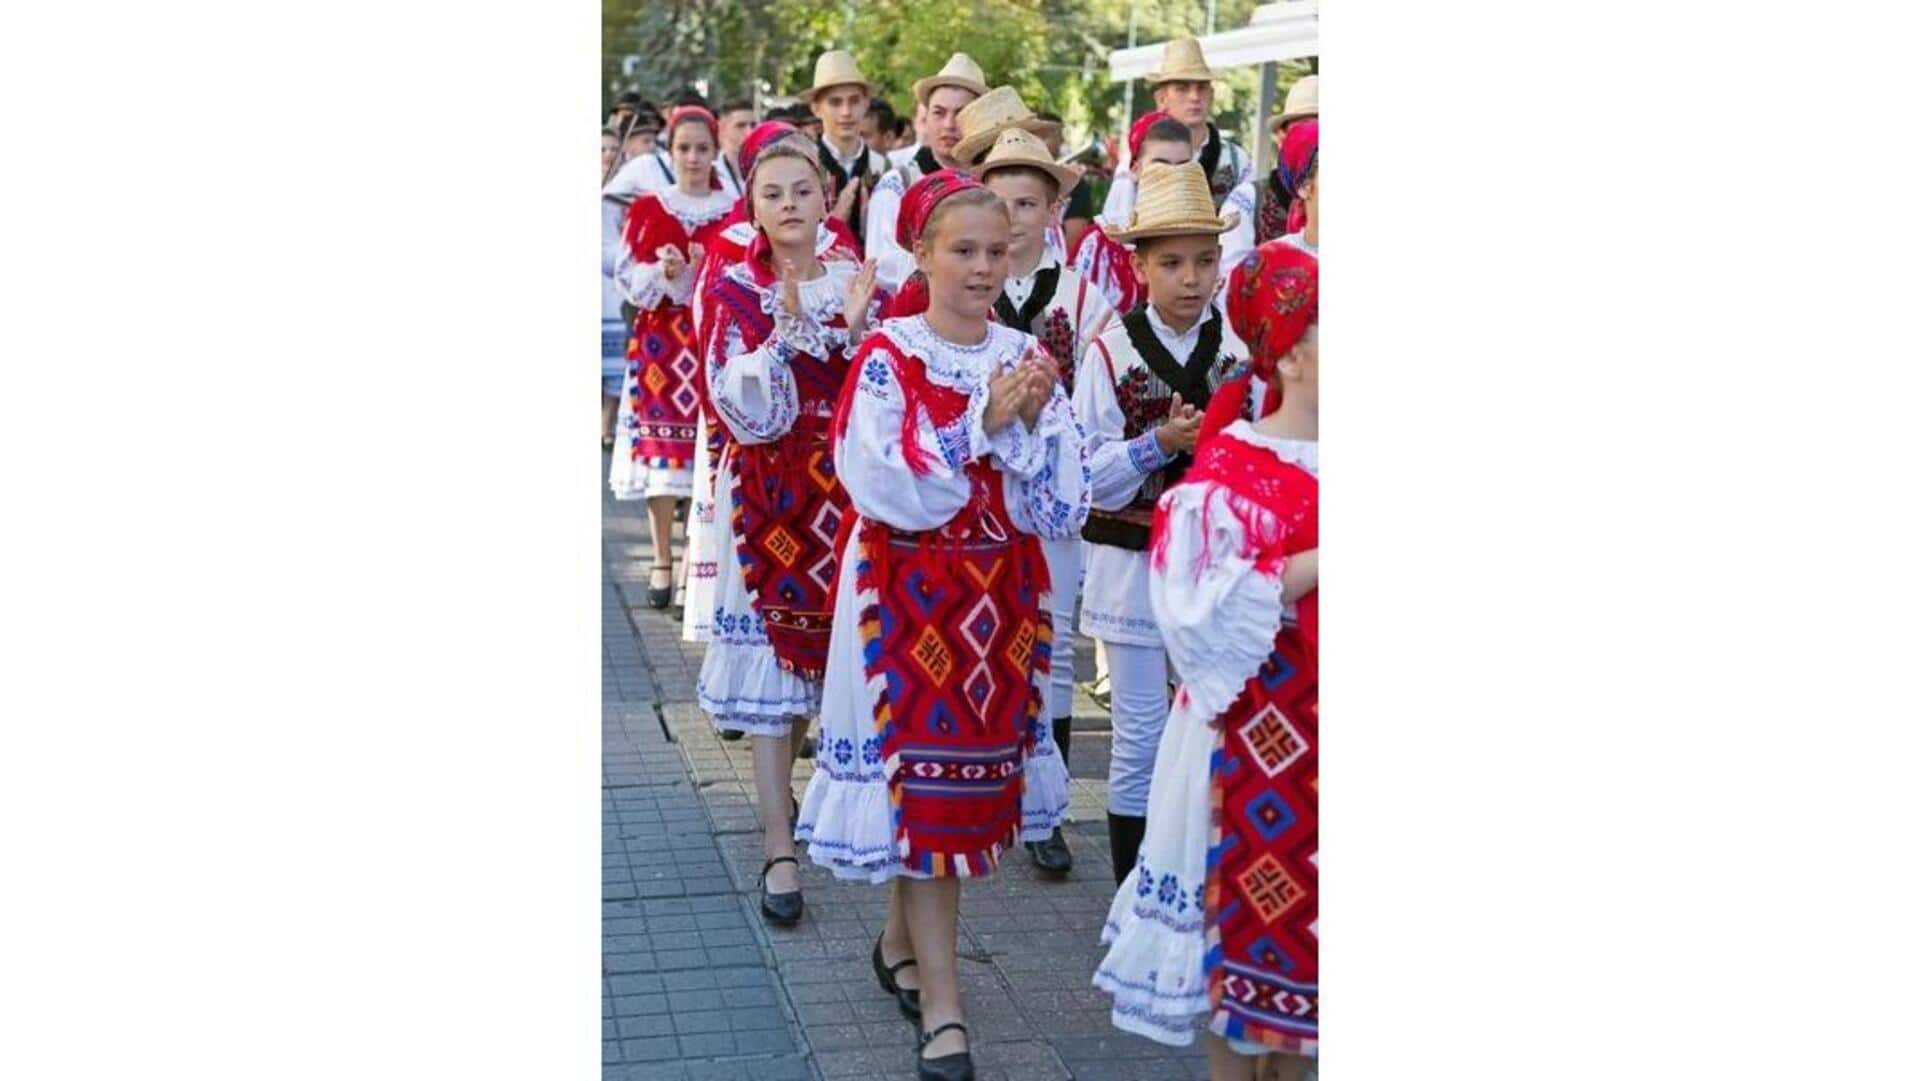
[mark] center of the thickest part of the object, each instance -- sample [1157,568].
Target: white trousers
[1138,676]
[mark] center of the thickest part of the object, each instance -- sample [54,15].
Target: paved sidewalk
[696,985]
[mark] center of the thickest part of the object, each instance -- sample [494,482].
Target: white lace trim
[957,367]
[693,211]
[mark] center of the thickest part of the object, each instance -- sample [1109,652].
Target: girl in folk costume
[665,235]
[1144,383]
[1057,306]
[725,249]
[1155,138]
[959,455]
[1218,923]
[1285,205]
[781,324]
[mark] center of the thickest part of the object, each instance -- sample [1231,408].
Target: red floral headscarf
[1273,296]
[1299,153]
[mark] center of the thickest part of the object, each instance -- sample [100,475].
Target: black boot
[1124,833]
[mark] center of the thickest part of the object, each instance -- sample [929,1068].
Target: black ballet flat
[731,734]
[908,998]
[1052,854]
[780,908]
[955,1067]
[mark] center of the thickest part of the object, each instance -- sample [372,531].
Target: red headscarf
[1273,296]
[916,209]
[1299,153]
[758,139]
[1137,135]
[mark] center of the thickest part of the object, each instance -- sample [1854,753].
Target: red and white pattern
[1247,697]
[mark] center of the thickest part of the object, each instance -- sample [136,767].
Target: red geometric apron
[787,510]
[666,398]
[959,643]
[1263,882]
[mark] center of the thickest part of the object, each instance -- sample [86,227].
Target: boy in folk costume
[782,323]
[1139,395]
[725,249]
[940,98]
[981,122]
[1218,923]
[665,236]
[1154,139]
[1286,202]
[1051,302]
[839,99]
[1183,90]
[959,454]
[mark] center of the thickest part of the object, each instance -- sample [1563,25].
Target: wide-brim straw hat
[1174,200]
[1016,146]
[1181,63]
[993,112]
[960,71]
[836,67]
[1303,100]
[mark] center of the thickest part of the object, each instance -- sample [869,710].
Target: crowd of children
[918,429]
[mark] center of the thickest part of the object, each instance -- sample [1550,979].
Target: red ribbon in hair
[1137,135]
[916,206]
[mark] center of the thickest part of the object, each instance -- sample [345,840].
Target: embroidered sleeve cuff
[1144,452]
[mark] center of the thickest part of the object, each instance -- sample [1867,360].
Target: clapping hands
[860,297]
[1021,391]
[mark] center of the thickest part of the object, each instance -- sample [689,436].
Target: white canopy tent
[1285,31]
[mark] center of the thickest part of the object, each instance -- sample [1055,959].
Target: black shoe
[955,1067]
[780,908]
[907,997]
[1052,854]
[660,596]
[731,734]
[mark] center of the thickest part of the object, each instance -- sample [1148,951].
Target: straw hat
[1303,100]
[836,67]
[1174,200]
[960,71]
[1182,62]
[993,112]
[1017,147]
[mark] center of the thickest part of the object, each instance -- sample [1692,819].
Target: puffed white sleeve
[1217,612]
[1237,241]
[871,462]
[1044,469]
[751,389]
[892,263]
[1116,465]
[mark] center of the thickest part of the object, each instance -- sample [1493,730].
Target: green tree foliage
[1053,51]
